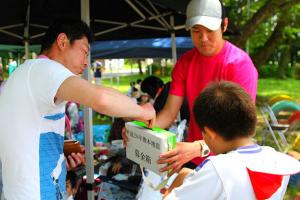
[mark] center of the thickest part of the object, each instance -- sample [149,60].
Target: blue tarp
[140,48]
[100,131]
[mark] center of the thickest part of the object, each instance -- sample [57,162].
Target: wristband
[204,148]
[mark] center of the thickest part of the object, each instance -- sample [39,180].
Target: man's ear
[225,24]
[61,40]
[210,132]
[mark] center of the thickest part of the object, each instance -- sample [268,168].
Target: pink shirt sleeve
[244,73]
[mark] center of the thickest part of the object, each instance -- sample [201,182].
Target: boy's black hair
[138,81]
[134,89]
[73,178]
[116,129]
[151,84]
[74,29]
[227,109]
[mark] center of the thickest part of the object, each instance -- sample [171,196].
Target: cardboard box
[145,145]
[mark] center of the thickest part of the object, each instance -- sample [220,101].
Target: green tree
[271,26]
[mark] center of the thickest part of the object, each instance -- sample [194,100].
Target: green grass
[267,88]
[125,80]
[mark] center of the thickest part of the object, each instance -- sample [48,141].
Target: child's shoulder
[260,159]
[242,157]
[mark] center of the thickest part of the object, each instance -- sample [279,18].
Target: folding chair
[274,127]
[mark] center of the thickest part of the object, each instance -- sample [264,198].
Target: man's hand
[75,159]
[148,115]
[148,118]
[175,158]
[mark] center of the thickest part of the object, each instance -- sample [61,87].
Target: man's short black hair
[226,108]
[74,29]
[224,14]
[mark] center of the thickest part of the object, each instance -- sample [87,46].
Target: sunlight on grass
[267,88]
[272,87]
[125,80]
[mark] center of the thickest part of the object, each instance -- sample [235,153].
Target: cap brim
[212,23]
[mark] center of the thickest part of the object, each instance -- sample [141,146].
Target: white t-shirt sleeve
[203,184]
[46,76]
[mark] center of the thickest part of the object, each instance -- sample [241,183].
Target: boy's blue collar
[249,149]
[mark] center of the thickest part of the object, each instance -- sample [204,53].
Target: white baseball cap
[207,13]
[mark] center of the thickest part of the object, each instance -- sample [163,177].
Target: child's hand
[124,136]
[116,167]
[75,159]
[178,180]
[175,158]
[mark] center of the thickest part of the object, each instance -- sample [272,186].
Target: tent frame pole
[88,117]
[26,31]
[174,52]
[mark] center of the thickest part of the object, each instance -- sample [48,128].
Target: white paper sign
[144,146]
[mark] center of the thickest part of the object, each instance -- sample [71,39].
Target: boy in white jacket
[241,169]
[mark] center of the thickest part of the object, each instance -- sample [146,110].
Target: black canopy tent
[109,19]
[178,5]
[25,21]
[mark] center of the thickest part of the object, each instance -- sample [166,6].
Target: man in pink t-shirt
[212,59]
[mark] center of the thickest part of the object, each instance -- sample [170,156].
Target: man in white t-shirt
[241,169]
[32,117]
